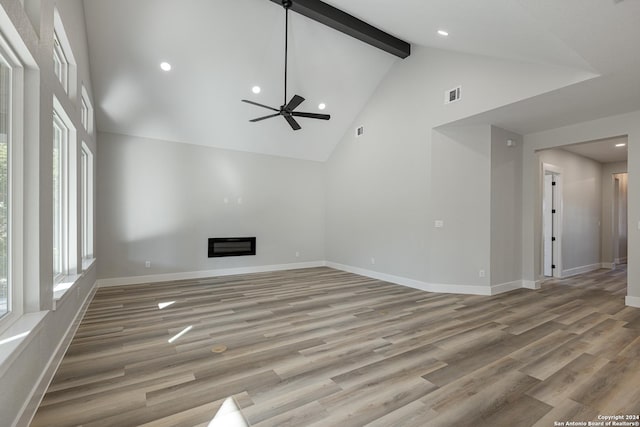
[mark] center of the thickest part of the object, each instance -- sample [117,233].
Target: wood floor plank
[328,348]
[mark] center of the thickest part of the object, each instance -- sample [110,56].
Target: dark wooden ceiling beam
[350,25]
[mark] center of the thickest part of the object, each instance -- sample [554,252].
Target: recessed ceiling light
[443,33]
[621,145]
[165,66]
[322,106]
[256,89]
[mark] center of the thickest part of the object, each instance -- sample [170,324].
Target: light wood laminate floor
[320,347]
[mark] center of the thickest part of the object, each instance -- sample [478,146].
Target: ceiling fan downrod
[286,4]
[287,110]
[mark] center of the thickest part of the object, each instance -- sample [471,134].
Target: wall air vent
[359,131]
[453,95]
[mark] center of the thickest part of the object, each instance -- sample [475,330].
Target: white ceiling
[603,151]
[220,49]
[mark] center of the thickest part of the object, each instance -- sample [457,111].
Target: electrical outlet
[373,261]
[481,273]
[147,264]
[297,254]
[438,223]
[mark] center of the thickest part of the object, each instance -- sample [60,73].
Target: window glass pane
[57,65]
[84,111]
[83,204]
[60,63]
[5,117]
[58,188]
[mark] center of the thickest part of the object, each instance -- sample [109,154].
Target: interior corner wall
[461,185]
[581,181]
[623,124]
[160,201]
[607,230]
[506,206]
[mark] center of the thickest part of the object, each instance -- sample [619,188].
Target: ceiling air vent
[452,95]
[359,131]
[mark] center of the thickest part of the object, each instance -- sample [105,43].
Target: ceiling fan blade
[311,115]
[295,101]
[265,117]
[292,122]
[260,105]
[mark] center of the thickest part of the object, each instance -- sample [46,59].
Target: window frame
[86,111]
[86,202]
[15,185]
[61,217]
[60,62]
[9,181]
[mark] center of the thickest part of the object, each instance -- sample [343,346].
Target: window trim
[64,225]
[15,186]
[60,57]
[86,111]
[86,203]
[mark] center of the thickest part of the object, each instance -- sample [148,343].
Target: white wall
[159,201]
[461,185]
[506,207]
[581,183]
[385,189]
[624,124]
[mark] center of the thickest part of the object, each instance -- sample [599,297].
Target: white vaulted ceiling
[220,49]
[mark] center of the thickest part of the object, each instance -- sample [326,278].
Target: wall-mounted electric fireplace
[231,246]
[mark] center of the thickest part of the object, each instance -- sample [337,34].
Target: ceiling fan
[287,109]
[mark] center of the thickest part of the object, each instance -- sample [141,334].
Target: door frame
[550,169]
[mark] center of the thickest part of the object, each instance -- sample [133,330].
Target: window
[60,194]
[86,111]
[60,62]
[5,220]
[86,201]
[13,107]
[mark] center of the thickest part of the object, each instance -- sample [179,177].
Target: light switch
[438,223]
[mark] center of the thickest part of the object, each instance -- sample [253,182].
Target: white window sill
[67,283]
[87,263]
[17,336]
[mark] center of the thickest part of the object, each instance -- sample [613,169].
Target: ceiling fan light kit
[286,110]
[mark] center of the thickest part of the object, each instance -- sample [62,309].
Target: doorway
[551,222]
[619,219]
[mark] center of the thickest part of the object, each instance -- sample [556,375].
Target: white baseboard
[580,270]
[36,395]
[412,283]
[189,275]
[633,301]
[506,287]
[608,265]
[532,284]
